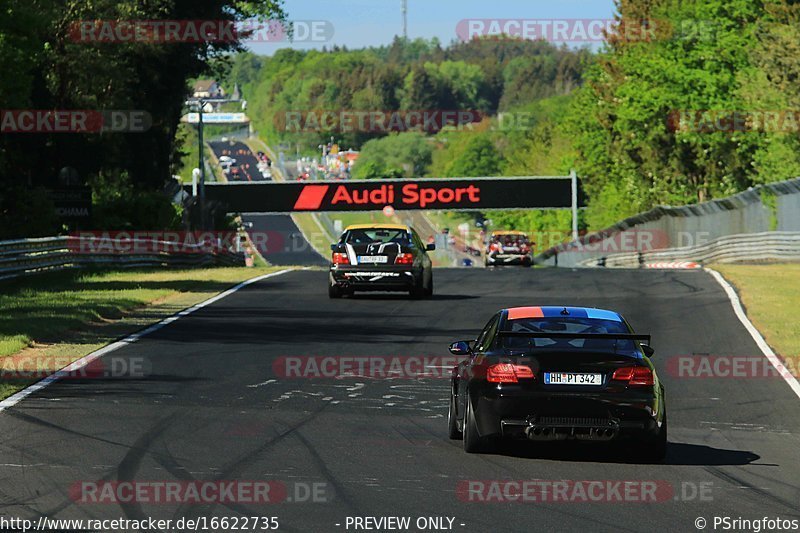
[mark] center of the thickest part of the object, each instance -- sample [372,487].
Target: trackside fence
[760,224]
[766,246]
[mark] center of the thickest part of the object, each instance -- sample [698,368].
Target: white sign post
[217,118]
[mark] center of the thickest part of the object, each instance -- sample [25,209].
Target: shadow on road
[678,453]
[402,296]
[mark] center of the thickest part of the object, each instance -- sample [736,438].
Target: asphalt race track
[211,407]
[281,242]
[245,159]
[276,236]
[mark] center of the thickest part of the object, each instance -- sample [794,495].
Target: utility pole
[199,103]
[202,185]
[574,186]
[405,18]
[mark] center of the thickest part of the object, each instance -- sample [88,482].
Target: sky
[360,23]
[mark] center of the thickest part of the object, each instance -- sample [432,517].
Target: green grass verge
[70,314]
[452,219]
[318,239]
[771,296]
[366,217]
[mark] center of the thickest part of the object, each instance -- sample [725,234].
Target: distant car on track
[225,163]
[508,248]
[556,373]
[264,169]
[471,250]
[380,257]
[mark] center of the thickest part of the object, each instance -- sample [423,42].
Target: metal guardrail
[765,246]
[33,256]
[769,208]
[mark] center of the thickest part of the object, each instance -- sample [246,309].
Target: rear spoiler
[621,336]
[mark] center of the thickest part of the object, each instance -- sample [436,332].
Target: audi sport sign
[375,195]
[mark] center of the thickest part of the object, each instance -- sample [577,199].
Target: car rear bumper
[508,259]
[549,416]
[375,279]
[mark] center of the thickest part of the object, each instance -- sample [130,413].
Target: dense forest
[626,117]
[639,118]
[485,76]
[45,67]
[737,57]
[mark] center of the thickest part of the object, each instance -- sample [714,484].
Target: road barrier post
[574,179]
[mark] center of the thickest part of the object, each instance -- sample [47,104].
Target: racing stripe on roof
[515,313]
[555,311]
[550,311]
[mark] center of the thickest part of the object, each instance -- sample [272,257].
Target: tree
[46,67]
[632,152]
[480,158]
[420,90]
[398,155]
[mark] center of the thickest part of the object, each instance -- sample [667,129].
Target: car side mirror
[334,247]
[460,348]
[430,247]
[648,350]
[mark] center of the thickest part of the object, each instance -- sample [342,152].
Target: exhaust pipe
[541,433]
[534,432]
[595,433]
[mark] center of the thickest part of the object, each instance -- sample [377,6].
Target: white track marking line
[762,344]
[86,359]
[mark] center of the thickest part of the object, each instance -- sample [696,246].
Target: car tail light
[340,259]
[639,376]
[404,259]
[494,247]
[508,373]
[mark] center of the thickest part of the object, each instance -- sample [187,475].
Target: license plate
[568,378]
[372,259]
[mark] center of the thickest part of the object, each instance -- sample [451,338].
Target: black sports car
[383,257]
[555,373]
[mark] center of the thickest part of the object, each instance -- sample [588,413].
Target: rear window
[567,325]
[511,239]
[368,236]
